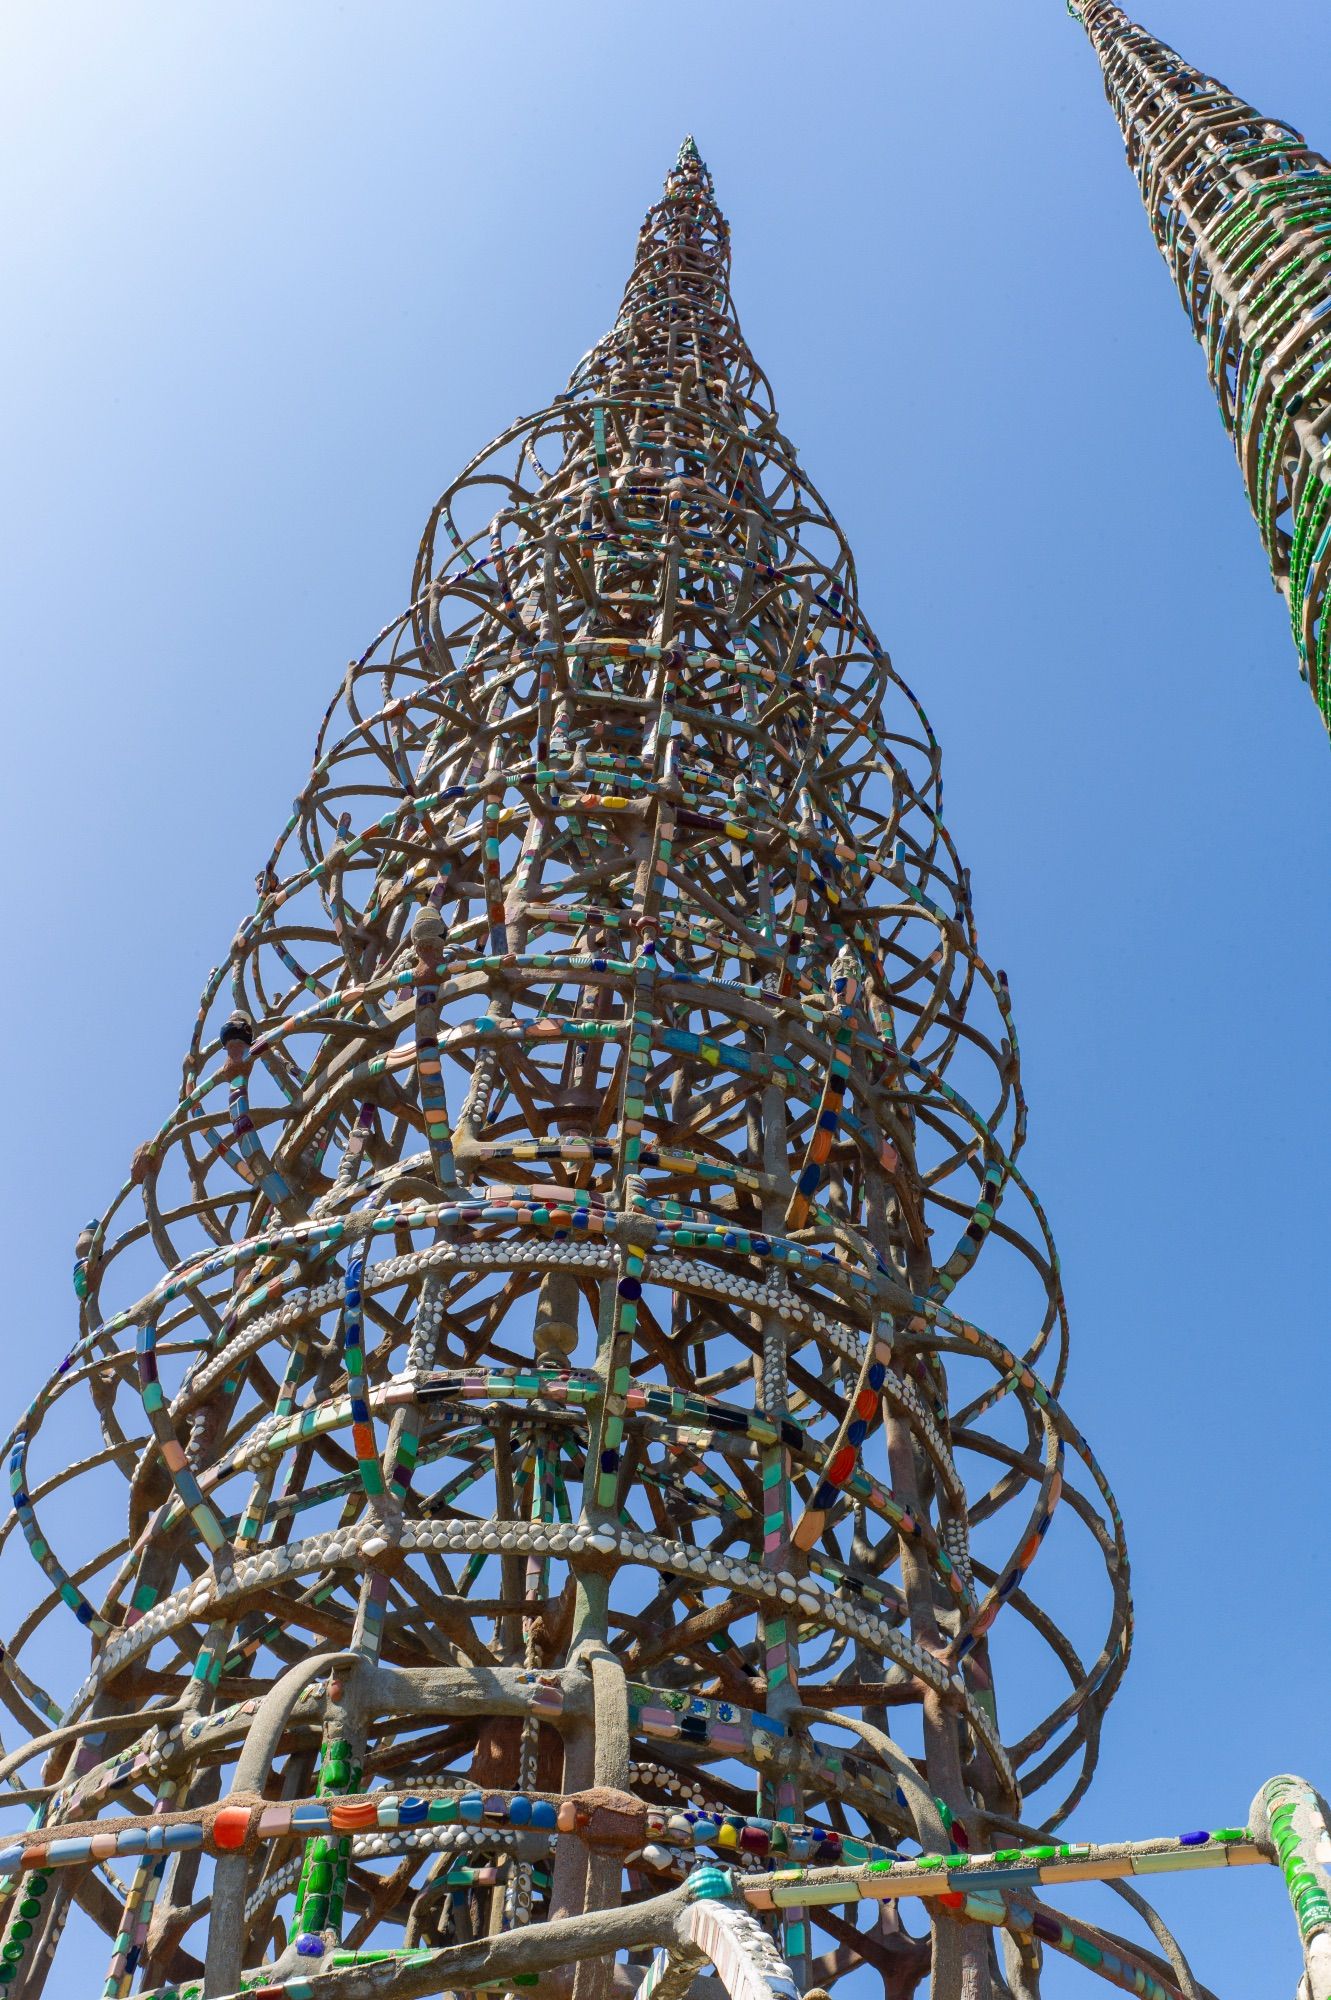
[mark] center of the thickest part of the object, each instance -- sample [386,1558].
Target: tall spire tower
[531,1504]
[1240,207]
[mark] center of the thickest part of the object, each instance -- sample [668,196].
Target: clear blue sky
[274,271]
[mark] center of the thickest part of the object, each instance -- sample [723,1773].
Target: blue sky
[274,272]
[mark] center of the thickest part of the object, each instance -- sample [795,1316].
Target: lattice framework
[537,1447]
[1240,208]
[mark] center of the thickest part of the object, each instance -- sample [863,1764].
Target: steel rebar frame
[1240,208]
[535,1443]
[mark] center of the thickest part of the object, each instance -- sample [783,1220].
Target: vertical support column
[1288,1815]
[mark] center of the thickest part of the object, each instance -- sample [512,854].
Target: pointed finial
[690,163]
